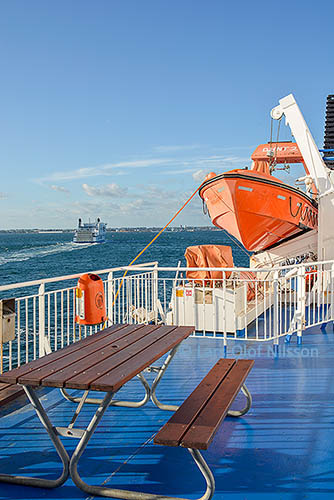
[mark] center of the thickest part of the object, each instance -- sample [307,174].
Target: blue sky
[117,108]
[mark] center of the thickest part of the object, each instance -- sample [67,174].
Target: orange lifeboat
[255,207]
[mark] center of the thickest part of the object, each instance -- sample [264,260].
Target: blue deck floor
[283,448]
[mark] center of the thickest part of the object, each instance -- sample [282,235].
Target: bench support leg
[113,402]
[126,494]
[238,413]
[36,481]
[206,471]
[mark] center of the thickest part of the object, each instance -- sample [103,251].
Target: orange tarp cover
[208,256]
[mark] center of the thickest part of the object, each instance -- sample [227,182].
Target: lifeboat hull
[258,209]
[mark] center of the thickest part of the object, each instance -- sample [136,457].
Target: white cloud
[222,160]
[76,174]
[165,164]
[133,207]
[141,163]
[105,169]
[60,189]
[179,171]
[112,190]
[199,175]
[193,164]
[199,164]
[156,192]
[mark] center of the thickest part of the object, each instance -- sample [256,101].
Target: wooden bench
[195,423]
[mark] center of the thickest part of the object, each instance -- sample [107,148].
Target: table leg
[36,481]
[158,378]
[149,391]
[114,402]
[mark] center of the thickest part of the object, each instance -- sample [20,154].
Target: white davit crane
[321,175]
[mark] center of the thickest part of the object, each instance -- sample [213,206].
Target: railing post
[110,288]
[155,292]
[276,310]
[41,320]
[331,295]
[224,313]
[300,313]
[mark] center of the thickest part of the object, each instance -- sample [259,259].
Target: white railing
[250,304]
[45,313]
[244,304]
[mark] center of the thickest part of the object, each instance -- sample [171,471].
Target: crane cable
[273,159]
[150,243]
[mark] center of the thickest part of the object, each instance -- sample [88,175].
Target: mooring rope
[155,237]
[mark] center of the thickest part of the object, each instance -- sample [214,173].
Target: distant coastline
[114,230]
[50,231]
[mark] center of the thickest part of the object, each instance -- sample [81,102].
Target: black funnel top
[329,133]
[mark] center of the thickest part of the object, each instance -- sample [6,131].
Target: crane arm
[308,149]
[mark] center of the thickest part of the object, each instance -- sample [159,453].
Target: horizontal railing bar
[71,276]
[152,266]
[232,269]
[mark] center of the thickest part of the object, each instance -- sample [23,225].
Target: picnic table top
[104,361]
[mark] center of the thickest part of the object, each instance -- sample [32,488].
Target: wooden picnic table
[104,361]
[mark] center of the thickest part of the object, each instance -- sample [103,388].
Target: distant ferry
[90,232]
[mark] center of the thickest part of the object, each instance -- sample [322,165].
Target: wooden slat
[59,377]
[12,376]
[172,433]
[9,392]
[88,353]
[84,380]
[122,374]
[203,429]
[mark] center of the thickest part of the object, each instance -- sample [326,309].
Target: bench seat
[196,421]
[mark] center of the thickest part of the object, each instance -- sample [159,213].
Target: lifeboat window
[281,197]
[244,188]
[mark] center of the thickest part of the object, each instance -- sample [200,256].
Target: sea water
[33,256]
